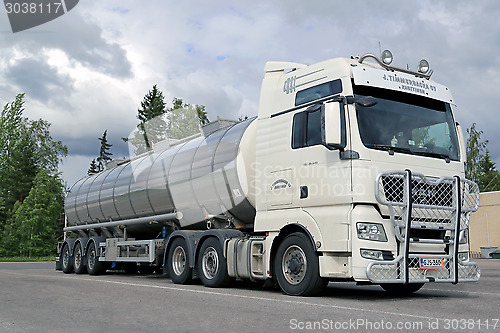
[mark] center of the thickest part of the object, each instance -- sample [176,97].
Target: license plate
[430,262]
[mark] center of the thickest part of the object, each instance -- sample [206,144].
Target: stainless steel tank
[208,175]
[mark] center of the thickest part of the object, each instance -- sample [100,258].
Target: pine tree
[104,154]
[152,126]
[94,168]
[479,167]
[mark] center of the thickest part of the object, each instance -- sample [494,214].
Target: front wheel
[212,267]
[296,267]
[178,262]
[399,289]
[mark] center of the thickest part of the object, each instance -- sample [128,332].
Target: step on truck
[353,170]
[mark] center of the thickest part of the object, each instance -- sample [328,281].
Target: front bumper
[393,271]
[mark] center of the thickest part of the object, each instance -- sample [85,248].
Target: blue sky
[88,70]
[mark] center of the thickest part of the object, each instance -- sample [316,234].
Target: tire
[79,260]
[296,267]
[66,260]
[94,266]
[178,262]
[212,267]
[399,289]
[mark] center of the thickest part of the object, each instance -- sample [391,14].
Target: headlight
[371,231]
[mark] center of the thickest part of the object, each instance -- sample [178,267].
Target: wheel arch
[220,234]
[284,232]
[190,237]
[96,240]
[71,245]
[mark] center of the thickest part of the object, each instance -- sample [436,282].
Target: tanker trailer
[352,171]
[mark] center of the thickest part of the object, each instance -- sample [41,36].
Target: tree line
[32,192]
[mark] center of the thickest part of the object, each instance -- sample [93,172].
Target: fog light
[423,66]
[371,231]
[372,254]
[386,57]
[464,256]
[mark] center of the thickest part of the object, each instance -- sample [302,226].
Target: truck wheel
[399,289]
[296,267]
[78,260]
[66,259]
[178,262]
[212,267]
[94,266]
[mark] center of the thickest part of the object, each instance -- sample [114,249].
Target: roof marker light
[423,66]
[386,57]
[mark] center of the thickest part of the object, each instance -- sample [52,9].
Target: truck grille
[433,199]
[423,193]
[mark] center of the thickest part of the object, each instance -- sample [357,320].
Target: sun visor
[366,76]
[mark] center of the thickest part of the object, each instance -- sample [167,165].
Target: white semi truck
[353,170]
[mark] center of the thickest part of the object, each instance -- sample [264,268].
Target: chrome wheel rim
[91,258]
[179,260]
[210,263]
[66,258]
[294,265]
[78,257]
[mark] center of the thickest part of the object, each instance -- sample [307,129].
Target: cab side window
[306,130]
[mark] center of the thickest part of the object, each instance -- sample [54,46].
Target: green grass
[26,259]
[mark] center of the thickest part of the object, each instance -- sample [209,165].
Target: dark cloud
[39,80]
[81,40]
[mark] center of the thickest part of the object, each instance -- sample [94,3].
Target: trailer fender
[71,245]
[83,241]
[94,239]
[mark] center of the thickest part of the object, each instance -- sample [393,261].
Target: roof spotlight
[423,66]
[386,57]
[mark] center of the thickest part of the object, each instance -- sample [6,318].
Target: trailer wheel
[78,259]
[212,267]
[296,267]
[94,266]
[399,289]
[178,262]
[66,259]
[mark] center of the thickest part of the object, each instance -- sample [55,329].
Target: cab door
[323,176]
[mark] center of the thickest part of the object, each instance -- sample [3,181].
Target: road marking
[267,299]
[466,291]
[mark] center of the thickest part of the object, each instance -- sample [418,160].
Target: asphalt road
[36,298]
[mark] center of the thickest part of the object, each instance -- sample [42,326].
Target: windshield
[407,123]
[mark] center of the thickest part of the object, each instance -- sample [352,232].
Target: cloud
[39,80]
[101,58]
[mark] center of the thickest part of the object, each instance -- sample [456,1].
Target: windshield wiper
[433,154]
[392,149]
[388,148]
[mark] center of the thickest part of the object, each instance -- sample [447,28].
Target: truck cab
[368,159]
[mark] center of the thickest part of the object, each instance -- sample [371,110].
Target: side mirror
[331,129]
[461,139]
